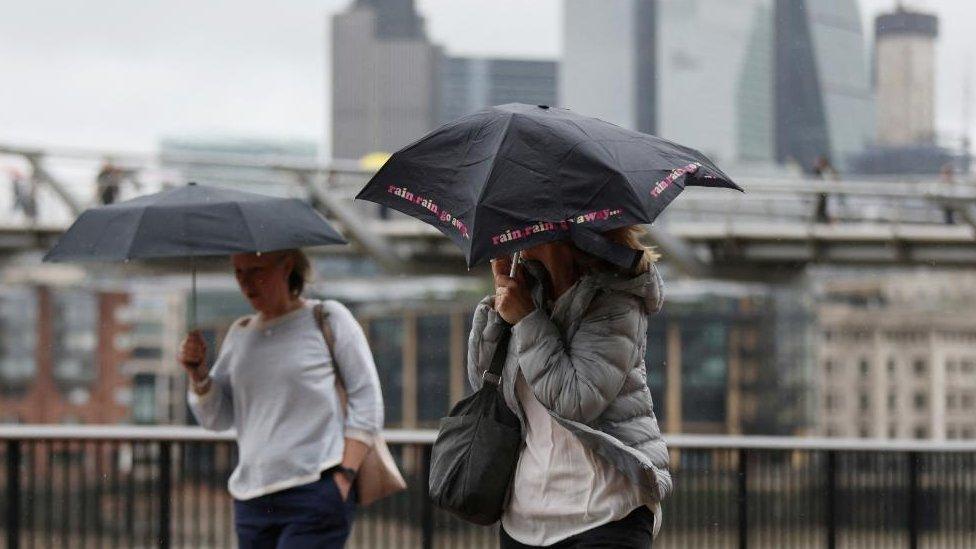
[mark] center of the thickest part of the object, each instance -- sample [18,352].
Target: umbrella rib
[135,233]
[247,225]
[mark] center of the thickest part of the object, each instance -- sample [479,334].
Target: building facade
[61,355]
[824,102]
[384,78]
[898,358]
[608,68]
[469,84]
[904,73]
[750,81]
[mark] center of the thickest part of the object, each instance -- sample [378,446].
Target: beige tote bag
[378,475]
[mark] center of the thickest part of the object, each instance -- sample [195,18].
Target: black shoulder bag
[473,459]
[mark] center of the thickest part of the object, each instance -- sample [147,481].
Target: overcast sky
[120,74]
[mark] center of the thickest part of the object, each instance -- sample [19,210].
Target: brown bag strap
[322,319]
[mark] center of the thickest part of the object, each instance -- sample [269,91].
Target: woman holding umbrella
[580,390]
[274,382]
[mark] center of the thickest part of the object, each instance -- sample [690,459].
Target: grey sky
[119,74]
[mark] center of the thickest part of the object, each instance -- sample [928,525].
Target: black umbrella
[510,177]
[192,221]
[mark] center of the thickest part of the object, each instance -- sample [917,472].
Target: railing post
[165,492]
[830,501]
[13,494]
[743,498]
[913,508]
[427,507]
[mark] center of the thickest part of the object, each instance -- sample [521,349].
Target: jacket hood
[647,285]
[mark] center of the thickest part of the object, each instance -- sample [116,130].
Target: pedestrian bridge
[769,231]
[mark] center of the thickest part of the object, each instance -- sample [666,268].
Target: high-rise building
[704,75]
[469,84]
[609,68]
[741,80]
[824,101]
[905,77]
[384,78]
[898,357]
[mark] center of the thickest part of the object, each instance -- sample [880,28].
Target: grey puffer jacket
[585,364]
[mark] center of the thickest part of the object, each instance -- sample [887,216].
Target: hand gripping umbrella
[510,177]
[192,221]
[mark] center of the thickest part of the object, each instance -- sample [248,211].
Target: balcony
[165,486]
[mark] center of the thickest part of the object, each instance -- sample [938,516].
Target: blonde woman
[593,467]
[274,383]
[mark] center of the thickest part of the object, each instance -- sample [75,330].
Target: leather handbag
[378,476]
[473,459]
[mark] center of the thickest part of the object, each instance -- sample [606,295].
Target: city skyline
[192,69]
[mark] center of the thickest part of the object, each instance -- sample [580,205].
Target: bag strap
[322,319]
[493,375]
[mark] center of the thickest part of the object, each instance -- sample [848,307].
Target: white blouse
[561,488]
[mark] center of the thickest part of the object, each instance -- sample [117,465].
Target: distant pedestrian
[107,183]
[823,170]
[947,175]
[24,197]
[274,382]
[593,466]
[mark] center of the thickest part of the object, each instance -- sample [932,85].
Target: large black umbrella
[509,177]
[192,221]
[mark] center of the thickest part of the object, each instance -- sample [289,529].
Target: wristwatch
[348,472]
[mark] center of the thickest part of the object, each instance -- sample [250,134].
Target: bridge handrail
[426,436]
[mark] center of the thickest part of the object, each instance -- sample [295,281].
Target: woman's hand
[512,298]
[343,484]
[193,355]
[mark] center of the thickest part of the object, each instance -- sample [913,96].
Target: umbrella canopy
[192,221]
[510,177]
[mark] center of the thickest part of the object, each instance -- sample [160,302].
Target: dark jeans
[311,515]
[635,531]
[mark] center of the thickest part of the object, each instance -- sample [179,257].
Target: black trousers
[635,531]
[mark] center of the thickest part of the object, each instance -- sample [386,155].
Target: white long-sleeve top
[274,383]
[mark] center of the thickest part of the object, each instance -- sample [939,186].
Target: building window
[75,318]
[921,401]
[864,432]
[18,338]
[433,368]
[950,366]
[951,401]
[892,431]
[832,431]
[865,402]
[865,367]
[921,432]
[833,402]
[386,341]
[967,401]
[951,433]
[891,366]
[829,366]
[892,402]
[968,433]
[920,367]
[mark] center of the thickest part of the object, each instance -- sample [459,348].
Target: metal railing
[118,486]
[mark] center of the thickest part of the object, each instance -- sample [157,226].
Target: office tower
[384,78]
[905,76]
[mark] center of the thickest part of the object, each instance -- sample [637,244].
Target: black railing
[127,487]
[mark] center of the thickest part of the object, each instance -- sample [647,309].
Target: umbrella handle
[515,260]
[193,294]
